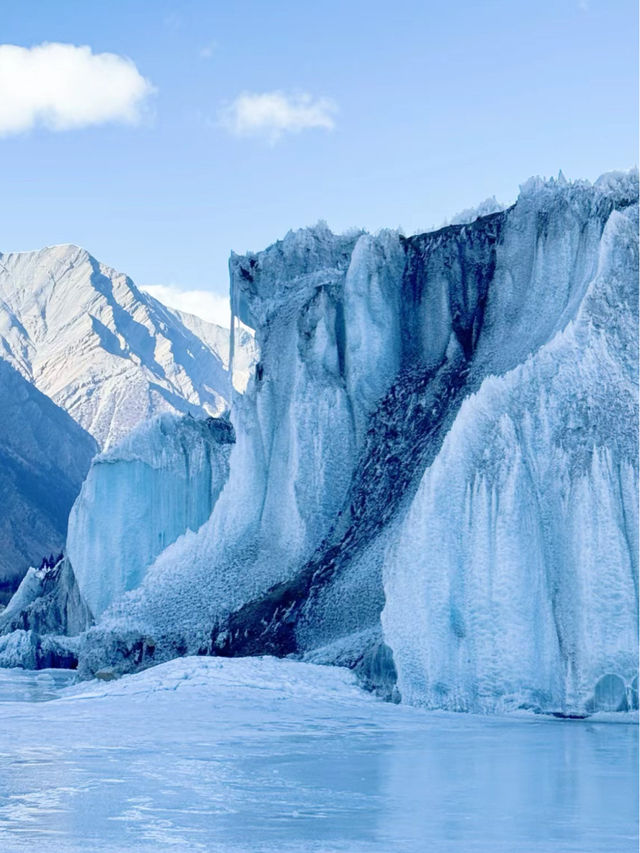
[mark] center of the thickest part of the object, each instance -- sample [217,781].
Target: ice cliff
[434,477]
[139,497]
[512,578]
[158,484]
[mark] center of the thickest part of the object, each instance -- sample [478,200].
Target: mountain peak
[101,349]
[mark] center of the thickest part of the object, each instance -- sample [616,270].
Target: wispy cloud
[269,115]
[207,50]
[209,306]
[63,86]
[173,21]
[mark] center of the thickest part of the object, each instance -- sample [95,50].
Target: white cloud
[209,306]
[271,114]
[63,86]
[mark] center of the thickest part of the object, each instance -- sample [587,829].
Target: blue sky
[434,107]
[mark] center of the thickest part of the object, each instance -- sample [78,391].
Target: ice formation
[439,429]
[512,579]
[47,602]
[162,480]
[109,354]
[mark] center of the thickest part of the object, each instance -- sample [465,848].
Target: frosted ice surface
[271,755]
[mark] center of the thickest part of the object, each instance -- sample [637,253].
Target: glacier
[512,580]
[434,474]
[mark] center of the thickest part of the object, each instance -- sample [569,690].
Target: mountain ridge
[105,351]
[44,457]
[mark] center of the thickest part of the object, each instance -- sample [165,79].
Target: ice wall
[139,497]
[513,578]
[359,356]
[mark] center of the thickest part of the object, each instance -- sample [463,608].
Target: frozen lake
[231,756]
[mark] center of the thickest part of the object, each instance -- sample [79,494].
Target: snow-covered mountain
[109,354]
[44,457]
[434,474]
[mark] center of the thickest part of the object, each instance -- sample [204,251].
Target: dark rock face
[44,457]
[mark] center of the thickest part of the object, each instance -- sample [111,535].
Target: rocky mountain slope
[109,354]
[44,457]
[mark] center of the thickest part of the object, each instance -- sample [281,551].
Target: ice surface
[41,686]
[273,755]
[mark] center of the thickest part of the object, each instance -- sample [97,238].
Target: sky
[162,135]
